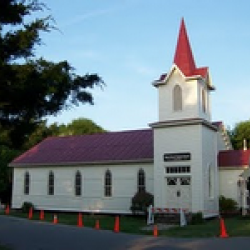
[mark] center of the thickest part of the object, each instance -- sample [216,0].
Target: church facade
[183,159]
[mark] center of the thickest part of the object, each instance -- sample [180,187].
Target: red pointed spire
[183,54]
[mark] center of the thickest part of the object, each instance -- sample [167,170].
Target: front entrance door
[178,192]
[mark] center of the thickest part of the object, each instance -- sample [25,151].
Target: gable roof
[136,145]
[110,147]
[233,158]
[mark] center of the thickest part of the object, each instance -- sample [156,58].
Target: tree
[41,132]
[6,155]
[76,127]
[32,88]
[79,127]
[239,133]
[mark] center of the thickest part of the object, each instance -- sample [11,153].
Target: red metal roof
[113,146]
[217,124]
[134,145]
[184,57]
[233,158]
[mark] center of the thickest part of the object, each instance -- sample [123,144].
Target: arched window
[108,184]
[26,183]
[248,184]
[51,183]
[78,183]
[177,98]
[210,182]
[141,184]
[204,101]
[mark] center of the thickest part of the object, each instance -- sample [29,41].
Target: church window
[78,183]
[51,183]
[185,181]
[108,184]
[177,98]
[210,182]
[248,184]
[141,181]
[177,169]
[204,101]
[26,183]
[172,181]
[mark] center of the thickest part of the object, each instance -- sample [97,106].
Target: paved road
[22,234]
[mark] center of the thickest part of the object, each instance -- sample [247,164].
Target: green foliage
[32,88]
[41,131]
[197,218]
[6,155]
[26,206]
[141,201]
[240,132]
[227,205]
[76,127]
[79,127]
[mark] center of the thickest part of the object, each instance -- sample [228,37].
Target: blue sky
[130,43]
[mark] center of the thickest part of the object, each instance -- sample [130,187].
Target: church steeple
[184,58]
[184,90]
[183,54]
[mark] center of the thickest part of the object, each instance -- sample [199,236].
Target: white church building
[184,159]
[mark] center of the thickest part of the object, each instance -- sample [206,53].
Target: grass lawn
[236,226]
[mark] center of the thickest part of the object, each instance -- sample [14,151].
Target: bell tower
[185,140]
[184,92]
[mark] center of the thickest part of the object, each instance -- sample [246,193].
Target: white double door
[178,192]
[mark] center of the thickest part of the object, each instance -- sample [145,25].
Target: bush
[227,205]
[141,201]
[197,218]
[26,206]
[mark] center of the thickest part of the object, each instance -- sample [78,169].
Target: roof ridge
[99,133]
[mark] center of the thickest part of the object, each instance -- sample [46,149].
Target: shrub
[197,218]
[227,205]
[26,206]
[141,201]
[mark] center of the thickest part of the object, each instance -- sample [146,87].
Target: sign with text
[177,157]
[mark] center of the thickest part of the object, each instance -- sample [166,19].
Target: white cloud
[87,15]
[100,12]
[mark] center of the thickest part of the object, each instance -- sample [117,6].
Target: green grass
[128,224]
[235,226]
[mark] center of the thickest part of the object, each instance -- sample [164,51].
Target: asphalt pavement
[23,234]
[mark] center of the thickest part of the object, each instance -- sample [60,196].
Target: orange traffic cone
[55,220]
[41,215]
[97,225]
[30,213]
[155,231]
[80,224]
[223,232]
[7,209]
[117,225]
